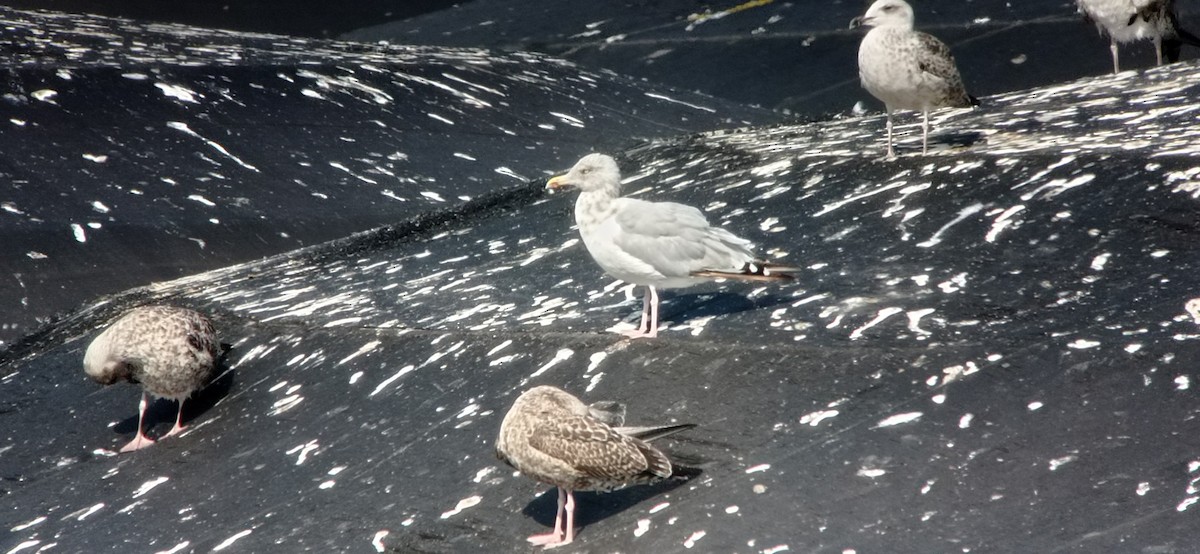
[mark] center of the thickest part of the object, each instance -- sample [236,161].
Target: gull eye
[585,170]
[889,8]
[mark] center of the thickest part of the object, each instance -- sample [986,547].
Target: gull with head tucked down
[171,351]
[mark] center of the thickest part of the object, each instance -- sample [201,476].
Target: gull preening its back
[905,68]
[553,437]
[171,351]
[654,244]
[1130,20]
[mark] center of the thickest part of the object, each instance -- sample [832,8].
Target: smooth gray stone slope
[139,152]
[987,351]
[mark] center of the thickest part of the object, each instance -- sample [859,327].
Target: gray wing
[676,240]
[595,449]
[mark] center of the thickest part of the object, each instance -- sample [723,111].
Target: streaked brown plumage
[171,351]
[551,436]
[905,68]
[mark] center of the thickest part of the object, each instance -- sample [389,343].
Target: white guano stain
[462,505]
[1059,462]
[304,450]
[1001,222]
[879,318]
[560,356]
[229,542]
[384,384]
[183,127]
[361,350]
[28,524]
[148,485]
[899,419]
[693,539]
[175,549]
[177,92]
[815,418]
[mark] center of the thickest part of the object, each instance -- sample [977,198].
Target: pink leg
[550,539]
[645,324]
[570,518]
[141,440]
[178,428]
[890,153]
[649,315]
[925,132]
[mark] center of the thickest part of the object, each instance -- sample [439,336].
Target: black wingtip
[651,433]
[684,473]
[974,101]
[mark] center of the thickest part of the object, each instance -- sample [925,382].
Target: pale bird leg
[178,428]
[1112,45]
[891,154]
[570,531]
[925,132]
[141,440]
[1158,48]
[555,537]
[649,315]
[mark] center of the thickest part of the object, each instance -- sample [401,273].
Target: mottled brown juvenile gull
[905,68]
[1130,20]
[654,244]
[551,436]
[171,351]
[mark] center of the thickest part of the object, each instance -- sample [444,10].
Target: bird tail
[973,101]
[1172,46]
[685,472]
[651,433]
[752,271]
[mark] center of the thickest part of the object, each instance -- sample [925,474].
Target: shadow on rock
[681,308]
[593,507]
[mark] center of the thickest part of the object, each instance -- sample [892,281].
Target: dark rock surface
[289,17]
[988,352]
[141,152]
[794,56]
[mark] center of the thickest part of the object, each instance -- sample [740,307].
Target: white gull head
[886,13]
[592,173]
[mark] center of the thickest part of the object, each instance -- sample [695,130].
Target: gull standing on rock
[171,351]
[553,437]
[654,244]
[1130,20]
[905,68]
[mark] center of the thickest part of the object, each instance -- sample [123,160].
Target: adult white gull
[657,245]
